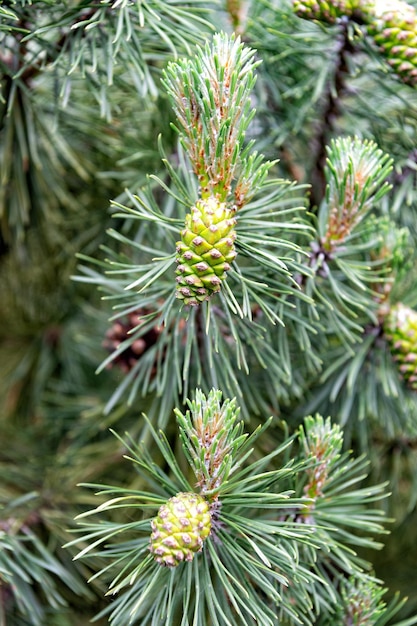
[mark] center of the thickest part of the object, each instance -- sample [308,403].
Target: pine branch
[239,519]
[258,292]
[345,268]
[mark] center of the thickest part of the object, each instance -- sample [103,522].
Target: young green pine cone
[205,251]
[401,331]
[393,26]
[324,10]
[179,529]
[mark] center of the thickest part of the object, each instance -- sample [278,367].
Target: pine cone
[120,331]
[324,10]
[401,332]
[181,526]
[205,251]
[393,26]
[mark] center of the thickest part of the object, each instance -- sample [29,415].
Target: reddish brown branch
[331,111]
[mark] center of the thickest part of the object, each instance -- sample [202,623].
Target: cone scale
[205,251]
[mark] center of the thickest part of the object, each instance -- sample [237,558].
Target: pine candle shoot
[210,95]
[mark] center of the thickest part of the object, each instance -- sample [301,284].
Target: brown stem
[331,111]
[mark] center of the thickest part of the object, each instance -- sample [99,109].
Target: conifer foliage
[208,316]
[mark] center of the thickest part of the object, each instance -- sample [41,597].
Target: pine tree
[208,312]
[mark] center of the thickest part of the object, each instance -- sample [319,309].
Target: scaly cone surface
[205,251]
[393,26]
[179,529]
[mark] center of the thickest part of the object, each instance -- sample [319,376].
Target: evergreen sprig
[347,273]
[333,482]
[257,525]
[230,322]
[386,402]
[211,98]
[247,532]
[325,484]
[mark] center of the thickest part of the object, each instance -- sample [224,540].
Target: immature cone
[324,10]
[179,529]
[401,331]
[205,251]
[393,25]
